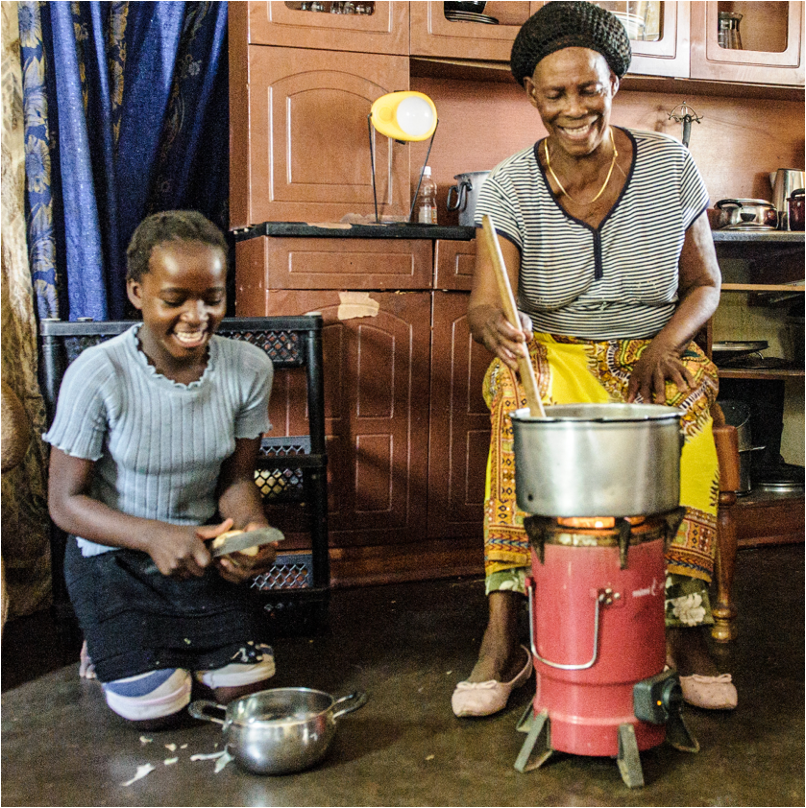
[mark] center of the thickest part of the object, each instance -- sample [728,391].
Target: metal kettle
[784,181]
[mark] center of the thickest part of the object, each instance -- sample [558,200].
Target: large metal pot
[598,460]
[279,731]
[746,213]
[467,194]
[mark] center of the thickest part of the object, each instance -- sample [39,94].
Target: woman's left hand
[658,364]
[237,568]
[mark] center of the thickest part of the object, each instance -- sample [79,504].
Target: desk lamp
[404,116]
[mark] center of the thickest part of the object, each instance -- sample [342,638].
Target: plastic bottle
[427,205]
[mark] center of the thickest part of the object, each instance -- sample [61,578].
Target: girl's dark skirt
[135,619]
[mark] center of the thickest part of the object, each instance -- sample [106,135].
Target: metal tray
[728,351]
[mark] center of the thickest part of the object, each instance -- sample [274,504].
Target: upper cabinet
[486,35]
[735,42]
[372,27]
[299,136]
[659,36]
[759,43]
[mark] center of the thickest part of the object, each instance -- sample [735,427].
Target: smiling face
[573,91]
[182,298]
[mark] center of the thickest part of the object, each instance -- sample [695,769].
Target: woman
[605,236]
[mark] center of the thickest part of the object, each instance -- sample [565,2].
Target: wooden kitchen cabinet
[297,25]
[376,411]
[772,39]
[432,34]
[459,430]
[299,138]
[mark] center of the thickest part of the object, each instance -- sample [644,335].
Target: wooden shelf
[763,287]
[758,373]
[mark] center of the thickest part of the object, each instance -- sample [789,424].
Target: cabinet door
[459,437]
[384,30]
[659,36]
[453,264]
[299,136]
[376,358]
[432,34]
[771,37]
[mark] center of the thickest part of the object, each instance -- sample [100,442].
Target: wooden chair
[291,470]
[727,450]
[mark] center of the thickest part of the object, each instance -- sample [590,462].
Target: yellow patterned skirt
[569,371]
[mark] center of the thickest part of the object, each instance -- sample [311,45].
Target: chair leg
[724,611]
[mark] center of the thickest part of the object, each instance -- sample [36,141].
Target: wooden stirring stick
[525,368]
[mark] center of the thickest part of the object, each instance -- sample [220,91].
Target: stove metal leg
[629,761]
[539,736]
[678,734]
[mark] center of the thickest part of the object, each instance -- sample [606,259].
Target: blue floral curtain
[126,114]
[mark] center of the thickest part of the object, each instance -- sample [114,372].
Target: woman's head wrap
[559,25]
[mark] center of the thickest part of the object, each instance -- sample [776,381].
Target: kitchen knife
[242,541]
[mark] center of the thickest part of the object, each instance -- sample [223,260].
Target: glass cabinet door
[370,27]
[750,42]
[485,33]
[659,36]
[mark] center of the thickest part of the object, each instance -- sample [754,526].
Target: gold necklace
[607,178]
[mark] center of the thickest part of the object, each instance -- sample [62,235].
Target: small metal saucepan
[279,731]
[735,214]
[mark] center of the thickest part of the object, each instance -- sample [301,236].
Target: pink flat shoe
[486,698]
[709,692]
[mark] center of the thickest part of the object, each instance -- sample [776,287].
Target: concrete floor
[407,646]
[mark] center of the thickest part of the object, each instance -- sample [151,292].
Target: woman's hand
[698,294]
[657,365]
[239,567]
[485,315]
[494,332]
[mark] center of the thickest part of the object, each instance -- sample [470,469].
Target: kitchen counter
[396,230]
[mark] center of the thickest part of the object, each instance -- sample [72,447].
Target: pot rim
[291,720]
[647,413]
[745,203]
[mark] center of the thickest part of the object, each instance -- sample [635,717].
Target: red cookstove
[596,605]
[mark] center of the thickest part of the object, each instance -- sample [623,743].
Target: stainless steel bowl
[279,731]
[598,460]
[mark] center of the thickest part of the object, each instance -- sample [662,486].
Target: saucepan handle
[198,710]
[358,699]
[449,204]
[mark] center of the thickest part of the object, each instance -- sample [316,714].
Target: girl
[154,446]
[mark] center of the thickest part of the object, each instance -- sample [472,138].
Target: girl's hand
[657,365]
[239,567]
[179,550]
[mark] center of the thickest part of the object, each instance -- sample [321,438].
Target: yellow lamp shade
[406,116]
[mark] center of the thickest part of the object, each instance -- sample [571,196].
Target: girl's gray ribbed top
[158,444]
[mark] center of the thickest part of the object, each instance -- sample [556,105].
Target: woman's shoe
[485,698]
[709,692]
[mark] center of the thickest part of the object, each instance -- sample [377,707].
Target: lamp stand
[372,162]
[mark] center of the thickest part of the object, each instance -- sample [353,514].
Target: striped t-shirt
[617,281]
[158,445]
